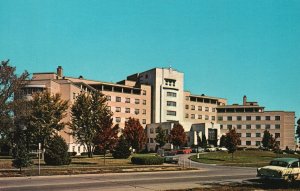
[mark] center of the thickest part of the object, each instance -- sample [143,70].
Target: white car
[222,149]
[210,149]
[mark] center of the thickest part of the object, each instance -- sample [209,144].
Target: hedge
[147,160]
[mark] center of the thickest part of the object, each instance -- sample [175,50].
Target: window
[136,111]
[258,118]
[268,126]
[257,143]
[277,135]
[118,109]
[277,118]
[171,94]
[151,140]
[199,108]
[221,126]
[127,110]
[193,116]
[171,103]
[229,127]
[206,108]
[144,121]
[118,99]
[187,98]
[118,119]
[144,111]
[239,118]
[248,118]
[173,113]
[257,134]
[127,100]
[248,126]
[213,109]
[186,106]
[206,117]
[186,115]
[229,118]
[220,118]
[239,126]
[268,118]
[192,107]
[144,92]
[199,116]
[213,118]
[258,126]
[277,126]
[144,102]
[248,143]
[137,101]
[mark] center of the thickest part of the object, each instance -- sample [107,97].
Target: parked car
[170,157]
[210,148]
[184,150]
[287,169]
[222,149]
[199,149]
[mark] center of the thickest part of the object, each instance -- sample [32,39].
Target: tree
[223,141]
[90,120]
[161,136]
[268,140]
[122,150]
[10,86]
[57,152]
[134,134]
[203,142]
[298,130]
[232,140]
[21,157]
[46,114]
[177,135]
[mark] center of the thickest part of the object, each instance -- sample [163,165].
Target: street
[133,181]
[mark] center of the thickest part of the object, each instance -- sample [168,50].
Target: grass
[240,158]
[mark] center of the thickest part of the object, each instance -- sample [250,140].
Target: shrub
[122,150]
[84,154]
[57,152]
[72,153]
[147,160]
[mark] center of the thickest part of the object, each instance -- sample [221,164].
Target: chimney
[59,71]
[244,100]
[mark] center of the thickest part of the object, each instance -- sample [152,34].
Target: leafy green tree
[232,140]
[223,141]
[90,120]
[268,141]
[57,152]
[21,157]
[10,87]
[177,135]
[46,114]
[134,134]
[161,136]
[122,150]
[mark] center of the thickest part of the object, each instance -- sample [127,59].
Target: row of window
[248,118]
[193,107]
[128,110]
[277,135]
[127,100]
[257,143]
[118,120]
[206,117]
[258,126]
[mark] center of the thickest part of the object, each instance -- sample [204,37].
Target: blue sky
[225,48]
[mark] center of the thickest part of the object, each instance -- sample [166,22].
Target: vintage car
[281,168]
[170,157]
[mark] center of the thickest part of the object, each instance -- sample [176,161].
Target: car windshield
[278,163]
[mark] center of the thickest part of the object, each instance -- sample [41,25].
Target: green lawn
[240,158]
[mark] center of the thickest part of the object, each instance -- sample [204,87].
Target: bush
[84,154]
[122,150]
[147,160]
[72,153]
[57,152]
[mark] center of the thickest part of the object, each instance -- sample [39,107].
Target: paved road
[132,181]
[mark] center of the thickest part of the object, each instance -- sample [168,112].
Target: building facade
[251,120]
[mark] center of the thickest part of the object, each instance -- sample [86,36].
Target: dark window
[248,126]
[220,118]
[171,94]
[118,109]
[248,118]
[277,135]
[171,103]
[248,134]
[144,102]
[258,126]
[229,118]
[277,126]
[239,118]
[144,121]
[186,106]
[268,126]
[239,126]
[118,99]
[257,134]
[127,110]
[127,100]
[258,118]
[268,118]
[257,143]
[192,107]
[277,118]
[248,143]
[173,113]
[137,101]
[229,127]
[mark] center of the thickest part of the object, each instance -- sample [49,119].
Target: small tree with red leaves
[231,141]
[177,135]
[134,134]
